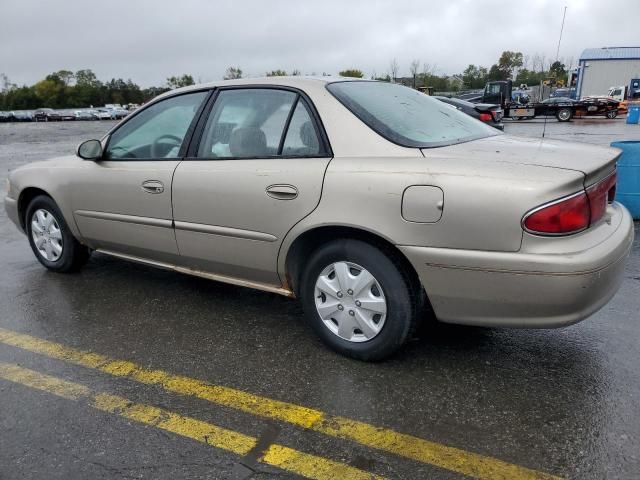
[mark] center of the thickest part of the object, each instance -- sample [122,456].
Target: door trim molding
[265,287]
[119,217]
[225,231]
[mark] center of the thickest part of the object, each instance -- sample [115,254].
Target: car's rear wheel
[358,299]
[52,242]
[612,114]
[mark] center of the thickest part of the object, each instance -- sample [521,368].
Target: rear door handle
[153,186]
[282,192]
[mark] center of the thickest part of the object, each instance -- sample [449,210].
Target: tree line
[520,68]
[67,89]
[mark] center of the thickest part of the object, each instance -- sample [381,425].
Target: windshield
[408,117]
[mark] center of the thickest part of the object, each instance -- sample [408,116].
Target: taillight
[485,117]
[562,217]
[574,213]
[600,194]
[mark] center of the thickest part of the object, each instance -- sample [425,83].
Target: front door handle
[153,186]
[282,192]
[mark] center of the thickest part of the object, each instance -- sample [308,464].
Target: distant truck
[626,92]
[500,93]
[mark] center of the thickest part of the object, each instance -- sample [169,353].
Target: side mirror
[90,150]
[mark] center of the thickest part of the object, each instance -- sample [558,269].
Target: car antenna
[564,15]
[544,127]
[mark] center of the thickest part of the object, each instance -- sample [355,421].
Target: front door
[257,171]
[122,203]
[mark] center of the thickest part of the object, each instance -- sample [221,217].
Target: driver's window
[156,132]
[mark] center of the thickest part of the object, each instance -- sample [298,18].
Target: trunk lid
[595,162]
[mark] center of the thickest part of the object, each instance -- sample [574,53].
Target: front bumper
[540,286]
[11,207]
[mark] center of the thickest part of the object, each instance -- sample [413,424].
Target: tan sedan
[371,202]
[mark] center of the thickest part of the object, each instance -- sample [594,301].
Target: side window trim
[192,151]
[192,126]
[187,136]
[200,125]
[287,124]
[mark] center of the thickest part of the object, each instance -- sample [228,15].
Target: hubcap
[46,234]
[564,114]
[350,302]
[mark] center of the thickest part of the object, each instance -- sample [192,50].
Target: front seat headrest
[248,142]
[308,136]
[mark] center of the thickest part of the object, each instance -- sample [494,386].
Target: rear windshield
[408,117]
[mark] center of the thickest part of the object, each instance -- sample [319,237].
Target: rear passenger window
[246,123]
[302,139]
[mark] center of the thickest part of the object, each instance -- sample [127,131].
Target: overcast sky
[149,40]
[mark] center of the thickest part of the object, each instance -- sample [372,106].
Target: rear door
[256,171]
[122,203]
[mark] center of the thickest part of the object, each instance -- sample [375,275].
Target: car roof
[302,82]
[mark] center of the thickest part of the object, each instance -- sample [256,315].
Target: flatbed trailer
[499,92]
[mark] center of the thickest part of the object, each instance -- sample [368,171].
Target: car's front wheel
[52,242]
[358,299]
[612,114]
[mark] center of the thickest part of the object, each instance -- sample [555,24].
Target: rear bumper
[528,289]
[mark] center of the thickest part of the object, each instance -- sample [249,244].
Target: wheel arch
[24,199]
[309,240]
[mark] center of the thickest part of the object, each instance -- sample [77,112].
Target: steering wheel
[159,144]
[127,153]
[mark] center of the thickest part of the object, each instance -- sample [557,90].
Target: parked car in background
[598,105]
[105,114]
[557,107]
[85,115]
[373,203]
[46,115]
[23,115]
[488,113]
[66,115]
[119,113]
[588,106]
[6,117]
[470,96]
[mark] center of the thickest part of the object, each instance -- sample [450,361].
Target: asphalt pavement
[125,371]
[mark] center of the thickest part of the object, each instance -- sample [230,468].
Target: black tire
[612,114]
[401,294]
[74,255]
[564,114]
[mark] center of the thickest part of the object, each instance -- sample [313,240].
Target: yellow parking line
[294,461]
[424,451]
